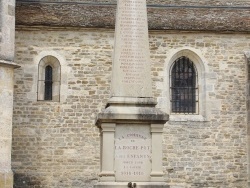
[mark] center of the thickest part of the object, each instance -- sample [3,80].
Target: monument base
[125,185]
[131,143]
[6,179]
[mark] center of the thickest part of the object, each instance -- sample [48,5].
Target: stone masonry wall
[56,144]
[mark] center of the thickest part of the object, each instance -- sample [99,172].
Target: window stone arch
[43,87]
[202,69]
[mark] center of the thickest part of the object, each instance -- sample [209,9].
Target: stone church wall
[56,144]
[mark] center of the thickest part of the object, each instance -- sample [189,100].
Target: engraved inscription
[131,55]
[132,153]
[132,30]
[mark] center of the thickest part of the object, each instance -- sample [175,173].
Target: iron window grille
[48,83]
[183,87]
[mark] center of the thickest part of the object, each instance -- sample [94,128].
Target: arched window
[49,79]
[183,87]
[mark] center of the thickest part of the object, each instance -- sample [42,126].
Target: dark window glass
[48,83]
[183,86]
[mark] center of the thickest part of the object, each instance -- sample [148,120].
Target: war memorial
[127,93]
[131,125]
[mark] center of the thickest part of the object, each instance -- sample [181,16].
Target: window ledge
[184,117]
[47,101]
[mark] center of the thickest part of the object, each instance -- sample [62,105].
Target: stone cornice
[192,18]
[8,64]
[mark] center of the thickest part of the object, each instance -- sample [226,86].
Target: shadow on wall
[24,181]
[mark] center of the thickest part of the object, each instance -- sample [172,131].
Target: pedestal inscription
[132,153]
[131,57]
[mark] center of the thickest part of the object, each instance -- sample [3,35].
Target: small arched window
[49,79]
[183,87]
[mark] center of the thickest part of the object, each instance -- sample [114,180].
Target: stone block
[6,179]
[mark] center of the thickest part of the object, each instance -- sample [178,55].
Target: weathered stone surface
[234,19]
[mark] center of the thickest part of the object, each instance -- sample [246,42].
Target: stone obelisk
[131,63]
[131,126]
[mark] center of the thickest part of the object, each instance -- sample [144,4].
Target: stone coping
[132,101]
[8,64]
[131,114]
[219,19]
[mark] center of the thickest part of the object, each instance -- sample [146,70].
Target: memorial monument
[131,127]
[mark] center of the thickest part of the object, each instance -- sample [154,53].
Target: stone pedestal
[131,143]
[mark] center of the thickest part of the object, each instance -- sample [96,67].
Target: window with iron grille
[183,87]
[48,83]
